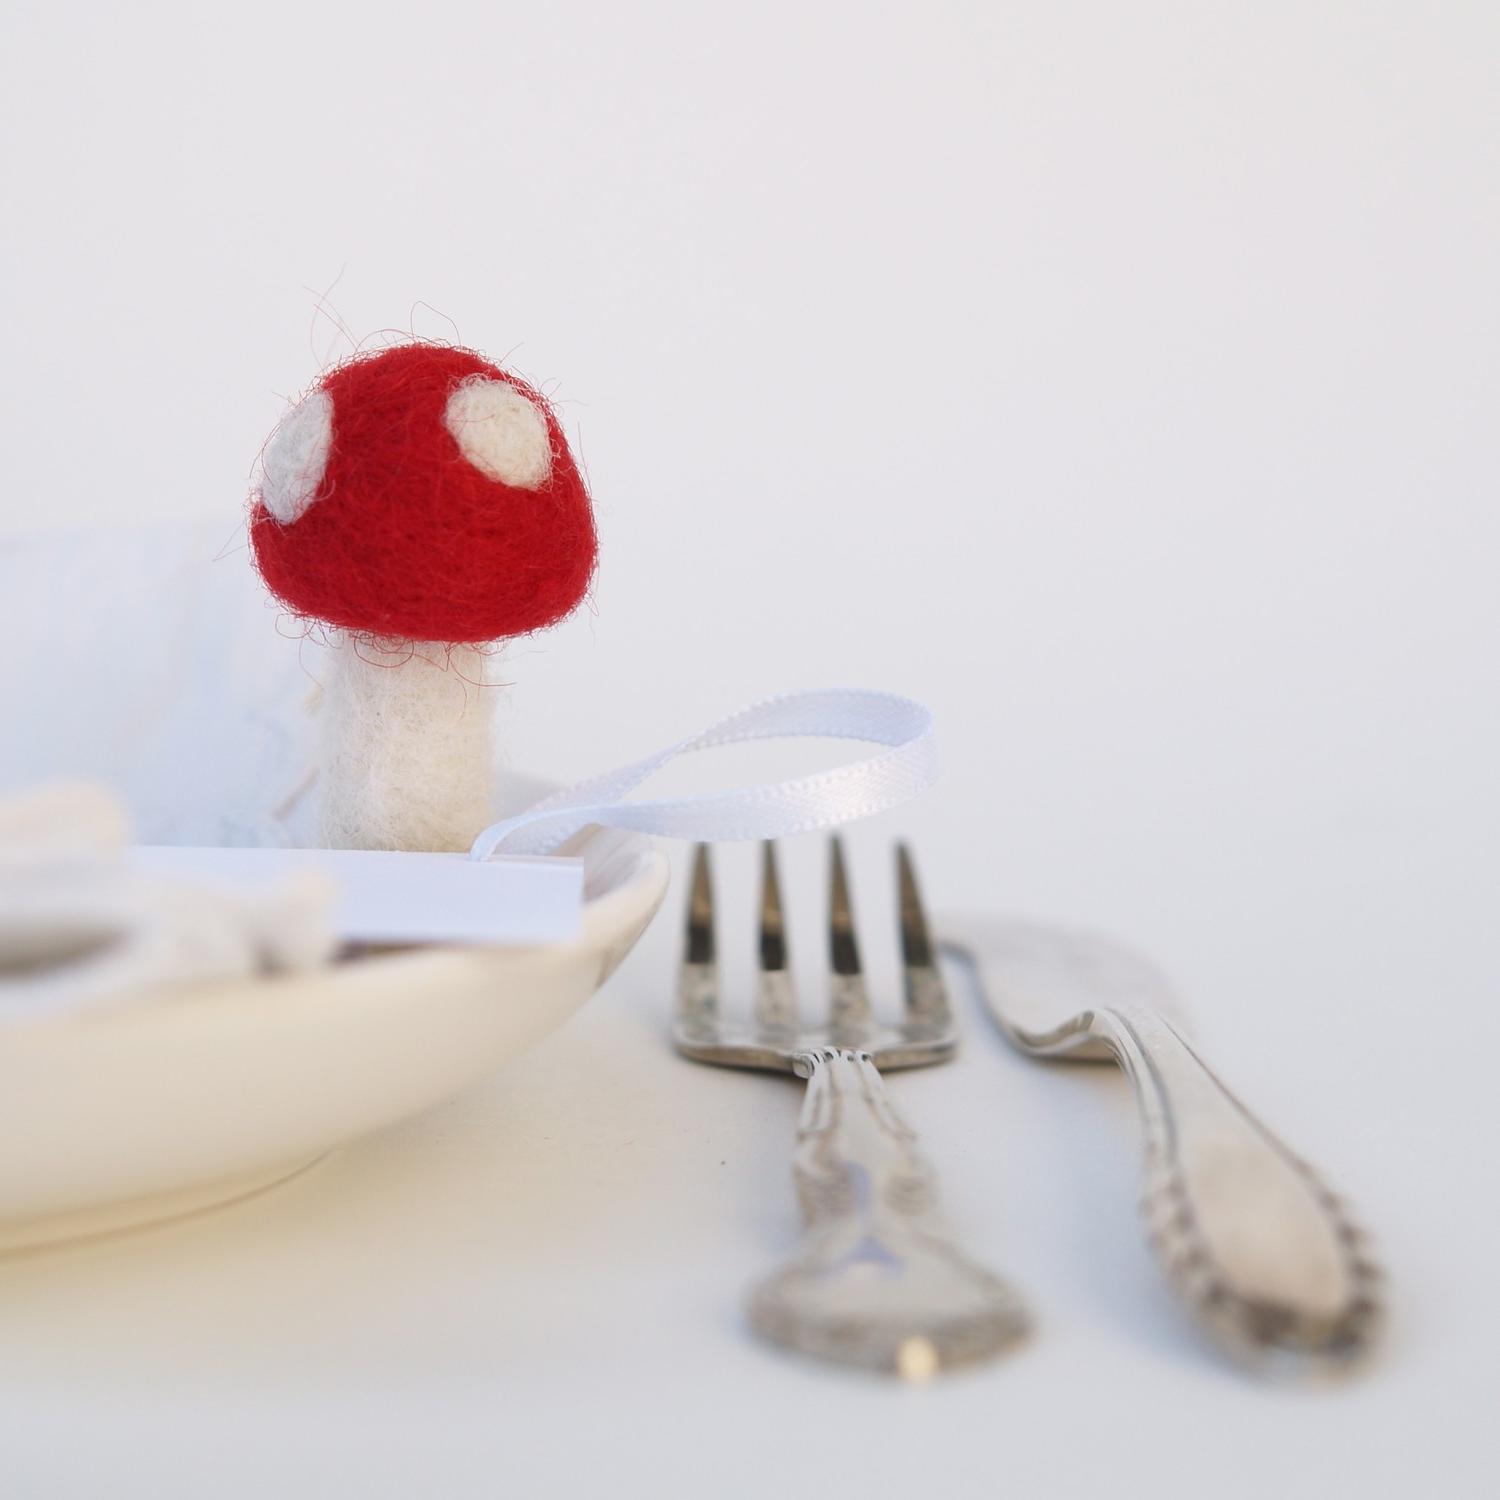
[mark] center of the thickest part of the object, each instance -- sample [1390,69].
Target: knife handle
[1264,1254]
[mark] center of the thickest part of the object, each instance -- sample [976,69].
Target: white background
[1119,379]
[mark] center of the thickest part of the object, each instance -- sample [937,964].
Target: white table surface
[1119,380]
[536,1290]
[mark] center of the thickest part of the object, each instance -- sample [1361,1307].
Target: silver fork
[878,1282]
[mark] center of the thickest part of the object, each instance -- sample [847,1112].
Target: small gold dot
[917,1360]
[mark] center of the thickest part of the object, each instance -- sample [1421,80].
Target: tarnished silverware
[878,1282]
[1268,1259]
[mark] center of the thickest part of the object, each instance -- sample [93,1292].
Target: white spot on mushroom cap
[500,431]
[293,464]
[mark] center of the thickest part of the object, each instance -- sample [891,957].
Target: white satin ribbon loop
[825,799]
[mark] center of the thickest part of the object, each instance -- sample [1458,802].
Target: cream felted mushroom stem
[423,504]
[406,744]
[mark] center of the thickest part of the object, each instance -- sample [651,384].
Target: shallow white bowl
[205,1093]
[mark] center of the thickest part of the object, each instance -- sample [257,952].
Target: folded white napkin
[80,927]
[148,659]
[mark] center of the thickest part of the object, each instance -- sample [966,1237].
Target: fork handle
[1263,1253]
[878,1282]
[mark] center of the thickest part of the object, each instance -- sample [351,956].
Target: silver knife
[1266,1257]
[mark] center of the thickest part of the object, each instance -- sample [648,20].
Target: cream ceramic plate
[201,1095]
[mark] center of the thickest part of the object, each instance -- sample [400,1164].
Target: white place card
[391,897]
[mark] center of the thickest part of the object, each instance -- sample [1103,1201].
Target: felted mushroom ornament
[422,503]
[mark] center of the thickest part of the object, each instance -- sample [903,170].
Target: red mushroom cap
[380,510]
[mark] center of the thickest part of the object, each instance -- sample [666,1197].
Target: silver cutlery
[878,1282]
[1266,1257]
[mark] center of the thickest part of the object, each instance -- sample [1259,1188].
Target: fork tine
[698,987]
[700,923]
[926,995]
[775,1000]
[850,999]
[772,924]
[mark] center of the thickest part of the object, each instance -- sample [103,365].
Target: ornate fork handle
[878,1282]
[1264,1254]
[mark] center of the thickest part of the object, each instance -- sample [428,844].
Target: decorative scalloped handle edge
[878,1281]
[1268,1259]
